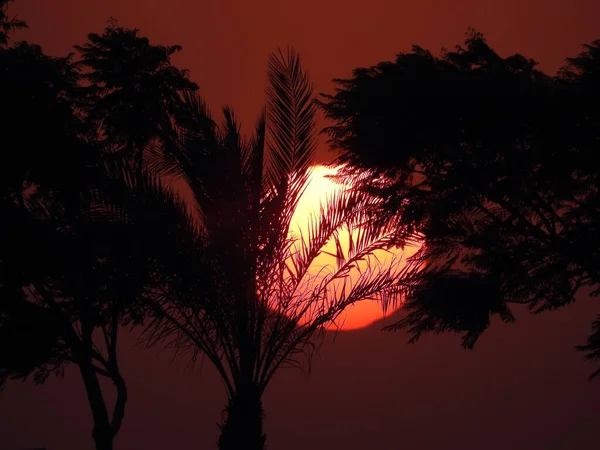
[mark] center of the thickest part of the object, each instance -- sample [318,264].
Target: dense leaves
[134,91]
[82,235]
[490,161]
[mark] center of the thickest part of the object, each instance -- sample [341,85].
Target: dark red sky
[524,387]
[226,42]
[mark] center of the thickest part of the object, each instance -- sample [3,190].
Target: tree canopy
[81,236]
[489,161]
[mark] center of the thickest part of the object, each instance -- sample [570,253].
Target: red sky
[226,42]
[524,387]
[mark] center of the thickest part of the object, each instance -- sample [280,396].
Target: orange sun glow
[363,313]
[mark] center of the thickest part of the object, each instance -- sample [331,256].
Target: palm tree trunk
[102,432]
[243,426]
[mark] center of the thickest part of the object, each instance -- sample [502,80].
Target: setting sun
[363,313]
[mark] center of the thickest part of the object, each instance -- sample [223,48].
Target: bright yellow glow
[360,314]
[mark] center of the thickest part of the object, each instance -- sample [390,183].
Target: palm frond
[291,115]
[290,136]
[254,160]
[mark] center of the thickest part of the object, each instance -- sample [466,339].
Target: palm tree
[260,305]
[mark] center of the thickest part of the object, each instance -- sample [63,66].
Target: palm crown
[258,303]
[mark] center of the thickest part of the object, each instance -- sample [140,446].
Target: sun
[361,314]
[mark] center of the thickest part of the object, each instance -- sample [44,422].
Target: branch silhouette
[490,161]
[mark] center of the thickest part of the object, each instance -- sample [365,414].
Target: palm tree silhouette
[259,306]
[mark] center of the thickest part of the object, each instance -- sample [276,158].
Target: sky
[226,43]
[523,387]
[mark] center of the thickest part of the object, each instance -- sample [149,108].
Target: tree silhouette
[259,306]
[134,89]
[81,236]
[88,279]
[489,161]
[49,290]
[8,26]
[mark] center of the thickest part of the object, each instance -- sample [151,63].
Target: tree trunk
[243,426]
[119,411]
[102,432]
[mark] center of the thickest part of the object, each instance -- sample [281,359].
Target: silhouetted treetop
[39,115]
[490,162]
[135,91]
[419,104]
[83,237]
[584,67]
[8,25]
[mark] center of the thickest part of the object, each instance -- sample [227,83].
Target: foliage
[490,161]
[134,91]
[81,234]
[8,26]
[261,305]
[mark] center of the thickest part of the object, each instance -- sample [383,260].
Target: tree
[86,281]
[8,26]
[488,160]
[48,315]
[134,89]
[80,236]
[260,307]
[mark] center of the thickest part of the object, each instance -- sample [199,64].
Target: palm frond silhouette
[261,307]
